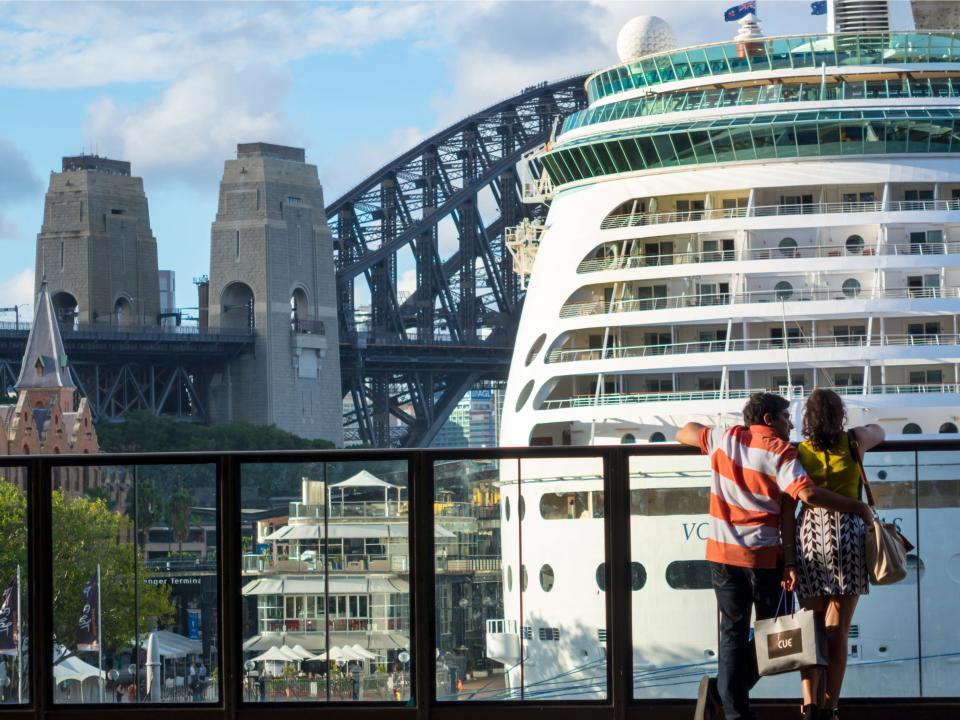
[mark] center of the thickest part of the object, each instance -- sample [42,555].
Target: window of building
[657,437]
[509,578]
[601,576]
[638,576]
[521,508]
[788,247]
[911,429]
[708,383]
[849,334]
[948,428]
[926,377]
[526,632]
[923,331]
[689,575]
[549,634]
[783,290]
[655,385]
[628,439]
[524,395]
[535,348]
[571,505]
[546,578]
[854,245]
[506,508]
[917,195]
[523,578]
[848,379]
[851,287]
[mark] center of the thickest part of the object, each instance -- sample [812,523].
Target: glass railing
[786,135]
[786,92]
[632,398]
[777,53]
[585,593]
[672,302]
[612,222]
[747,345]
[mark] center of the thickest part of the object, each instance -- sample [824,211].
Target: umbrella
[333,653]
[302,652]
[274,654]
[290,653]
[363,652]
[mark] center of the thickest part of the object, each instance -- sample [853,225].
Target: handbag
[789,642]
[886,547]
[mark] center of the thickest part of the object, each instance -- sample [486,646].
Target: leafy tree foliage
[85,532]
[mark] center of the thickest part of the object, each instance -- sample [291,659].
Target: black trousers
[740,590]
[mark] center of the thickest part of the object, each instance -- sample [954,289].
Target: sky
[172,87]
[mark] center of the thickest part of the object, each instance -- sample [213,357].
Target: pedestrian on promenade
[754,468]
[831,545]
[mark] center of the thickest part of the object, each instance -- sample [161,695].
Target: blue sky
[173,87]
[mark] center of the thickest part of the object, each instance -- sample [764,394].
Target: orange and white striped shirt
[752,469]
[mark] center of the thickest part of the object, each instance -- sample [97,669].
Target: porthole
[509,578]
[535,348]
[602,577]
[912,429]
[788,247]
[854,244]
[783,290]
[948,428]
[851,287]
[628,439]
[523,578]
[506,508]
[638,576]
[689,575]
[658,437]
[524,394]
[521,508]
[546,578]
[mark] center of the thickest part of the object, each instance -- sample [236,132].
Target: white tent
[275,654]
[172,645]
[73,668]
[363,479]
[333,654]
[362,652]
[302,652]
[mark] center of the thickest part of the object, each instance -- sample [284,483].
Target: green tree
[13,532]
[178,517]
[145,505]
[86,533]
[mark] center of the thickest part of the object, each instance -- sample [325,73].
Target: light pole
[15,309]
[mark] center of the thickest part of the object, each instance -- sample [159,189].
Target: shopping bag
[788,642]
[886,553]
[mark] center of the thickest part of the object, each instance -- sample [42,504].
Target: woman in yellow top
[830,549]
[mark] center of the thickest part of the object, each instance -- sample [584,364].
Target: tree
[145,506]
[85,533]
[178,517]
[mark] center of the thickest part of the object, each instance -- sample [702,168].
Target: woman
[830,547]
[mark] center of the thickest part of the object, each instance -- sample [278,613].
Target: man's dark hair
[760,404]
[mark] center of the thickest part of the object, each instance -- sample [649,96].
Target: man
[755,470]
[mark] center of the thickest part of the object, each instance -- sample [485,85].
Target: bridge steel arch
[408,358]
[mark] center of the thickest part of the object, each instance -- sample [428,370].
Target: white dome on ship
[644,35]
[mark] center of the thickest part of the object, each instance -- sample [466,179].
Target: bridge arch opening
[299,310]
[123,311]
[236,307]
[66,308]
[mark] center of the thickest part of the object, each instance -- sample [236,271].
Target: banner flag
[9,615]
[740,11]
[88,635]
[818,7]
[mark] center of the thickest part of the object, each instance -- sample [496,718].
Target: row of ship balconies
[623,389]
[662,297]
[785,201]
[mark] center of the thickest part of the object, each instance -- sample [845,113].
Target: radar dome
[644,35]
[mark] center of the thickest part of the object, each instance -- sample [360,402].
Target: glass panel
[565,655]
[669,506]
[477,535]
[14,587]
[135,584]
[938,565]
[326,606]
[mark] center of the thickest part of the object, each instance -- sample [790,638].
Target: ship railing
[612,222]
[630,398]
[672,302]
[744,345]
[819,250]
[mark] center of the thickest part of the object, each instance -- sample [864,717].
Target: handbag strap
[858,458]
[783,603]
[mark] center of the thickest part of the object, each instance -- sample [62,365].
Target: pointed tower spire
[44,365]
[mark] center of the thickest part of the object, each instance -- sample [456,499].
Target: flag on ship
[740,11]
[9,622]
[88,628]
[818,7]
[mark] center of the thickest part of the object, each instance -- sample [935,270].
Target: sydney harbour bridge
[407,357]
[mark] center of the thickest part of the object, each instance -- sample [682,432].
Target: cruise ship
[765,213]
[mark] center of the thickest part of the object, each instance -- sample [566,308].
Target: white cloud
[196,122]
[17,289]
[17,178]
[72,44]
[351,164]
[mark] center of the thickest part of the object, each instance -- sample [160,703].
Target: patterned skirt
[831,554]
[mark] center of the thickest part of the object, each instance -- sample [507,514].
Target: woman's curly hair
[823,418]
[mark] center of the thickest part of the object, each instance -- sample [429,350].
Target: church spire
[44,365]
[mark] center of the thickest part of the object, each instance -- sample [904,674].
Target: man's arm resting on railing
[821,497]
[690,433]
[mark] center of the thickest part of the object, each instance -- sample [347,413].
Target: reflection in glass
[14,588]
[326,610]
[135,584]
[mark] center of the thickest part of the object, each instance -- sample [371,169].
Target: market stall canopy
[316,641]
[362,652]
[302,652]
[73,668]
[361,584]
[364,479]
[276,654]
[173,645]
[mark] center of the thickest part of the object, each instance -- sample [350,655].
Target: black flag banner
[9,611]
[87,628]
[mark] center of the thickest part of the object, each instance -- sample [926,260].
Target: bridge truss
[438,212]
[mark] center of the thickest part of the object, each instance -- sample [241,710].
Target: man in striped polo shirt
[755,473]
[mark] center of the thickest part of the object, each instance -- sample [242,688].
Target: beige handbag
[886,548]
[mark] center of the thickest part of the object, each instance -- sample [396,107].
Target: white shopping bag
[789,642]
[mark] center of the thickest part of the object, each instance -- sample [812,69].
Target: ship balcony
[850,290]
[927,342]
[798,392]
[639,219]
[503,641]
